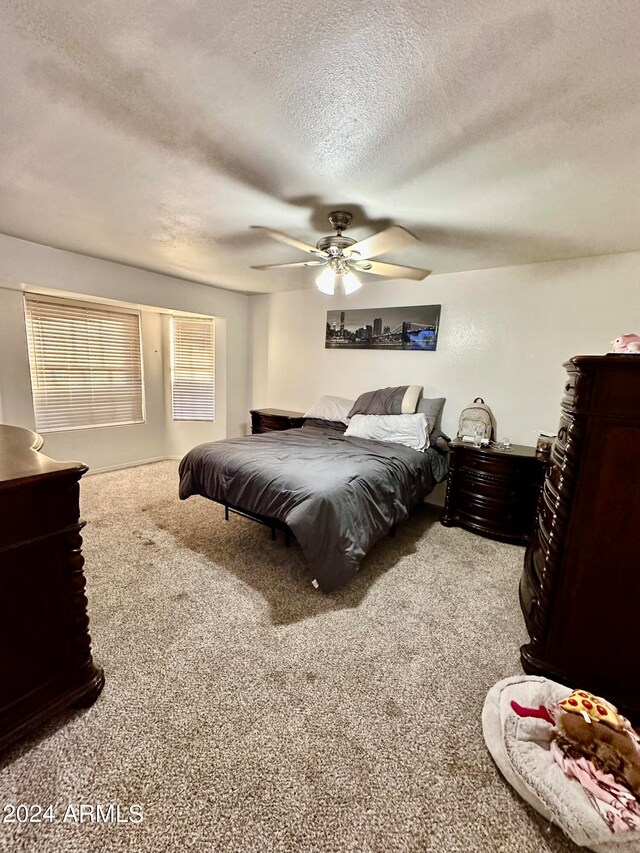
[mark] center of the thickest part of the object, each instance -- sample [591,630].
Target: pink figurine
[626,343]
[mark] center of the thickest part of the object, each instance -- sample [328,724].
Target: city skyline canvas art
[413,327]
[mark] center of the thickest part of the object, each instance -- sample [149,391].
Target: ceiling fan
[341,256]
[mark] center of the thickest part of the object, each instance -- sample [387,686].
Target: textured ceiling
[498,131]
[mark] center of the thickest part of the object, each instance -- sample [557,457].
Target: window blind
[193,368]
[86,365]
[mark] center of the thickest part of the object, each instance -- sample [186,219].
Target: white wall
[15,378]
[504,335]
[260,349]
[24,265]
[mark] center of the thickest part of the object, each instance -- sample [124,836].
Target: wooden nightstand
[266,420]
[493,492]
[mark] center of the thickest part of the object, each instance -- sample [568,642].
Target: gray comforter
[338,495]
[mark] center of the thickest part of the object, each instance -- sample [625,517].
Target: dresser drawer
[553,475]
[568,401]
[538,557]
[550,495]
[49,505]
[558,452]
[545,520]
[544,529]
[545,515]
[604,386]
[529,586]
[566,421]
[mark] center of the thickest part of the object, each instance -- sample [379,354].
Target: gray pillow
[432,408]
[400,400]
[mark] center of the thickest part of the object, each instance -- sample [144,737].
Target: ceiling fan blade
[390,270]
[284,266]
[393,237]
[290,241]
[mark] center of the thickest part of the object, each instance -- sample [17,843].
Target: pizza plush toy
[598,747]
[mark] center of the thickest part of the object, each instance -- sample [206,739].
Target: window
[86,365]
[193,368]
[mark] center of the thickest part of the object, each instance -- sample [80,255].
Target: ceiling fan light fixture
[343,254]
[350,283]
[326,281]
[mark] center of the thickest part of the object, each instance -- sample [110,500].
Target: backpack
[476,415]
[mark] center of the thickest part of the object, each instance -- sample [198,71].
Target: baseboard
[129,465]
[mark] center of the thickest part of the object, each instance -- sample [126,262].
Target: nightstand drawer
[478,510]
[474,487]
[500,466]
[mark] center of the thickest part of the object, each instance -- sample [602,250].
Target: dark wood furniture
[45,648]
[580,588]
[266,420]
[493,492]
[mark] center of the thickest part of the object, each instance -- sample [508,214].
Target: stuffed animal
[629,343]
[588,727]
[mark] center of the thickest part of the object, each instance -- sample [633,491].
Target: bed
[338,495]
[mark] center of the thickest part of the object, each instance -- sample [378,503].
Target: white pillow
[410,430]
[330,409]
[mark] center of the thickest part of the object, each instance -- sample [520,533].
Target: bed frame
[272,523]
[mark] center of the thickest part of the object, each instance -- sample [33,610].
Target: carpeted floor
[246,711]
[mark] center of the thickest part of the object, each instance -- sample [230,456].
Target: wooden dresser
[45,648]
[266,420]
[580,588]
[493,492]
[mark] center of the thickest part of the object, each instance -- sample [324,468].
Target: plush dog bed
[520,748]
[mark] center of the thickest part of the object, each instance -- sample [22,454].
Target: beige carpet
[248,712]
